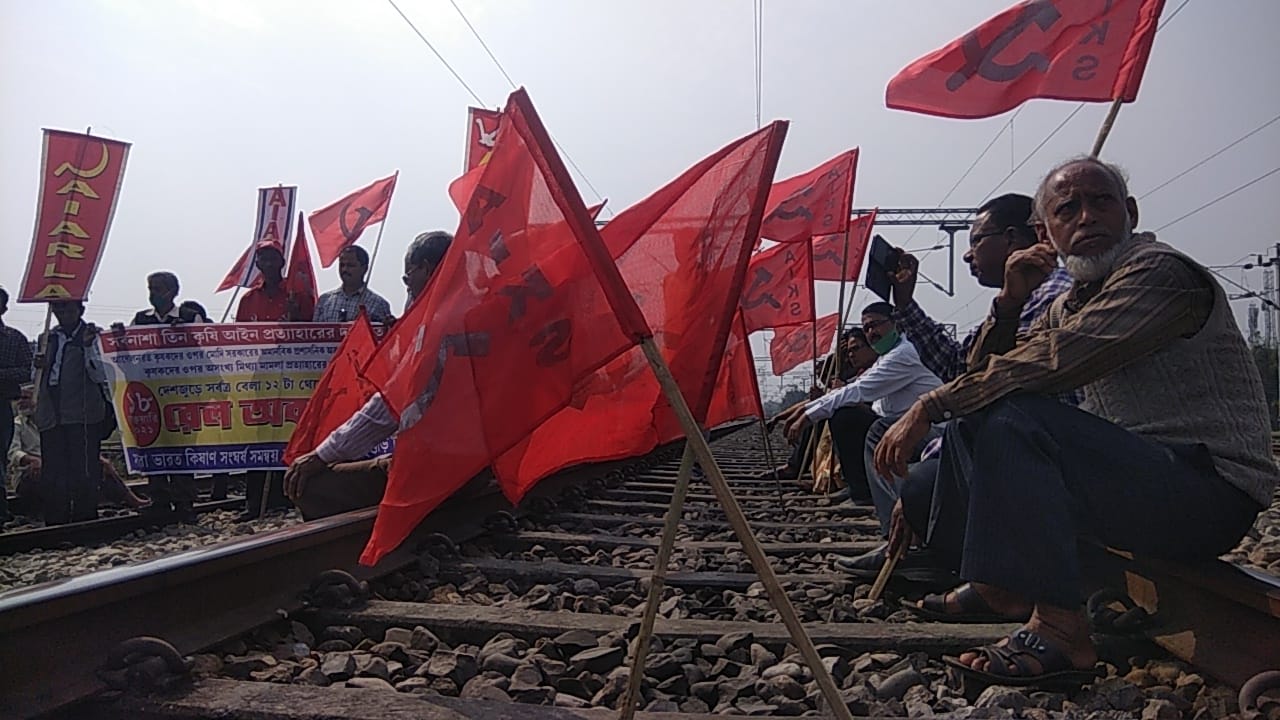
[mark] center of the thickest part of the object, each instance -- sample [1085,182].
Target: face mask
[886,343]
[157,300]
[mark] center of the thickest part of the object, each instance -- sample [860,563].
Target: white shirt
[360,434]
[892,384]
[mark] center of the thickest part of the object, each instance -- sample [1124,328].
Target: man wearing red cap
[271,301]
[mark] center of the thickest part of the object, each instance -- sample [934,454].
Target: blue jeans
[1020,481]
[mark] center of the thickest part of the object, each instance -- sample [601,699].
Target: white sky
[220,97]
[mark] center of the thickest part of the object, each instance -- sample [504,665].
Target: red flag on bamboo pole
[340,392]
[790,347]
[814,203]
[300,280]
[80,180]
[828,251]
[527,284]
[682,252]
[338,225]
[1090,51]
[779,288]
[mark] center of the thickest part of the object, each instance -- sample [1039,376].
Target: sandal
[1011,664]
[973,608]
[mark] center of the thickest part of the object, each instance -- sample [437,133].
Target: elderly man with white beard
[1168,456]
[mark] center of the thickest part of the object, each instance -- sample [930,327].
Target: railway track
[495,615]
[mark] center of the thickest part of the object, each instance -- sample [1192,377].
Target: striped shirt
[1140,308]
[338,306]
[360,434]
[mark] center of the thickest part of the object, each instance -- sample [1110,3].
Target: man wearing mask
[73,414]
[344,303]
[169,493]
[892,384]
[336,477]
[15,370]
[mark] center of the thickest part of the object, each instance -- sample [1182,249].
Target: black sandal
[1010,664]
[973,609]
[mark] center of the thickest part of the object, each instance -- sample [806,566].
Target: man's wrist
[1008,307]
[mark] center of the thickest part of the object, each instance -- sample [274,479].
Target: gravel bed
[735,675]
[38,566]
[1260,549]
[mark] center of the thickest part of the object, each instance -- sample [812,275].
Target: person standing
[73,414]
[272,301]
[15,370]
[342,304]
[169,493]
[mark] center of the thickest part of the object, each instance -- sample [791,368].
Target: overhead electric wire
[1219,199]
[1225,148]
[568,158]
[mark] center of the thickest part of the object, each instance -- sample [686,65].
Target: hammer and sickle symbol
[828,256]
[981,60]
[362,218]
[92,172]
[762,277]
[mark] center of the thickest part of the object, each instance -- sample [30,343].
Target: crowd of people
[1108,397]
[56,408]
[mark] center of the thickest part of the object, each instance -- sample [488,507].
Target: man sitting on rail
[336,477]
[1172,457]
[1001,227]
[891,384]
[857,356]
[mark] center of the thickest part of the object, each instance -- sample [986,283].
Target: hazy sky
[220,97]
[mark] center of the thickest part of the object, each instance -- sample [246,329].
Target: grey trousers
[886,491]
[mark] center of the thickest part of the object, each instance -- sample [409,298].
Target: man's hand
[898,443]
[816,392]
[30,462]
[795,428]
[904,280]
[835,384]
[1023,272]
[303,469]
[901,536]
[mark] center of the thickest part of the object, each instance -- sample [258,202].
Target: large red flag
[828,251]
[300,281]
[337,226]
[527,303]
[792,346]
[814,203]
[340,392]
[1091,50]
[779,288]
[737,392]
[682,252]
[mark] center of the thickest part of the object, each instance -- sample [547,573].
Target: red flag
[482,135]
[80,180]
[301,278]
[683,252]
[527,284]
[337,226]
[340,392]
[737,392]
[779,288]
[238,271]
[794,345]
[815,203]
[828,251]
[1092,51]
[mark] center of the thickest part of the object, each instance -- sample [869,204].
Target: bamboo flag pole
[733,512]
[657,582]
[381,226]
[1105,130]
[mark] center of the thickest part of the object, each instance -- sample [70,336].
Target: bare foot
[1065,630]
